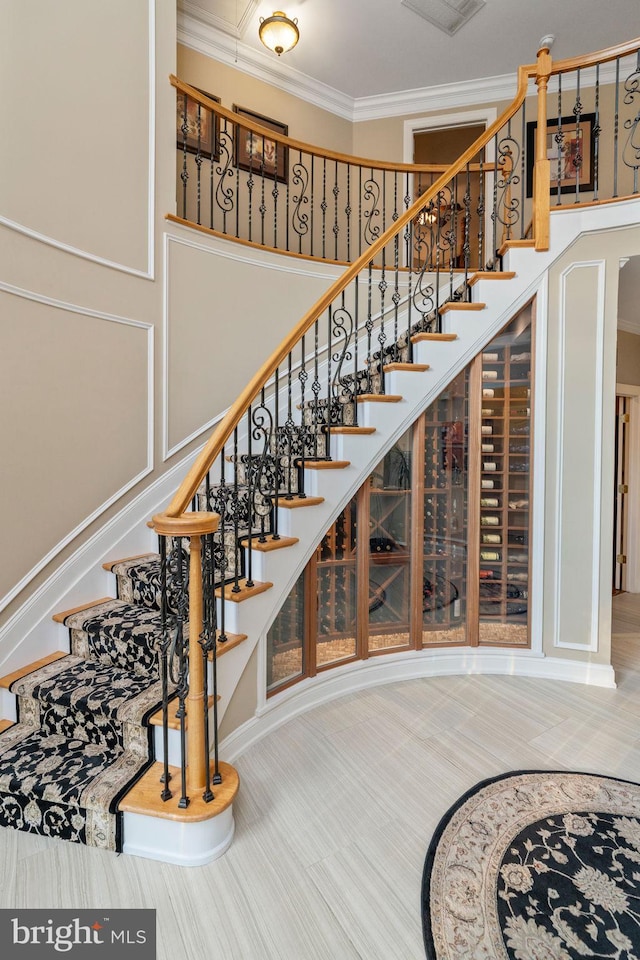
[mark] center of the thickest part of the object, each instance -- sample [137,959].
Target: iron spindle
[481,212]
[164,646]
[616,122]
[315,388]
[236,513]
[199,159]
[347,211]
[336,225]
[329,393]
[466,245]
[559,139]
[263,207]
[369,325]
[275,193]
[303,376]
[323,207]
[251,494]
[523,175]
[494,214]
[207,645]
[184,175]
[577,160]
[596,135]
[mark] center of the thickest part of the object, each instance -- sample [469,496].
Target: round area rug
[536,866]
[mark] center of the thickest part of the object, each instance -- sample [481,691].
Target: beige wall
[82,207]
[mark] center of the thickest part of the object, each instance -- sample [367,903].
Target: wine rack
[505,487]
[390,549]
[445,515]
[336,590]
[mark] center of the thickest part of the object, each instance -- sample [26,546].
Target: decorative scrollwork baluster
[177,581]
[300,219]
[507,207]
[224,171]
[343,387]
[631,149]
[371,195]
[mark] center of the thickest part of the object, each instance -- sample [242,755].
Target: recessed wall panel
[74,160]
[74,427]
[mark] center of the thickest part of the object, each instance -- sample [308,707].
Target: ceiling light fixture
[278,32]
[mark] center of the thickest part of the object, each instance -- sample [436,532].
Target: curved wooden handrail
[303,147]
[230,421]
[600,56]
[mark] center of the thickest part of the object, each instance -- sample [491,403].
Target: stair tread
[445,337]
[379,398]
[491,275]
[296,502]
[460,305]
[353,431]
[411,367]
[270,544]
[63,614]
[244,592]
[5,724]
[144,796]
[325,464]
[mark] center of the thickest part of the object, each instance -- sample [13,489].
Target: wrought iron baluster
[523,173]
[596,135]
[286,194]
[336,225]
[616,127]
[263,187]
[300,220]
[371,193]
[222,530]
[631,151]
[208,646]
[184,174]
[313,226]
[355,349]
[578,159]
[290,428]
[466,238]
[251,496]
[250,186]
[481,213]
[165,641]
[316,387]
[408,247]
[199,159]
[236,514]
[395,298]
[382,336]
[178,580]
[224,170]
[212,160]
[347,211]
[360,224]
[303,376]
[494,214]
[559,140]
[329,392]
[369,325]
[323,207]
[275,193]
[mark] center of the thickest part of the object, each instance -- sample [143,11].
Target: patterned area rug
[536,866]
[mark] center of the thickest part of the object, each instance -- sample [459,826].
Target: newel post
[542,169]
[193,526]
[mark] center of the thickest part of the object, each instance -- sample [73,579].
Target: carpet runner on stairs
[83,735]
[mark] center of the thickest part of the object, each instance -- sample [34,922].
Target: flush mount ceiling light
[278,32]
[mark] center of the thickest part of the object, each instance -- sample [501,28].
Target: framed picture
[209,127]
[261,155]
[570,148]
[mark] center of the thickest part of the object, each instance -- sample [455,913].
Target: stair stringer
[474,330]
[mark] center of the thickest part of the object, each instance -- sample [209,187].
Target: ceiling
[365,48]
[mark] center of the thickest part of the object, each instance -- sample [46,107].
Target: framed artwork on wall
[209,126]
[570,148]
[261,155]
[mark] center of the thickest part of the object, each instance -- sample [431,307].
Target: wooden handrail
[600,56]
[230,421]
[303,147]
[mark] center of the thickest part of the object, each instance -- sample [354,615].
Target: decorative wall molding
[598,372]
[148,273]
[111,318]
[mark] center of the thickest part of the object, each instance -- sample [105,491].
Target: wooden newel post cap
[194,524]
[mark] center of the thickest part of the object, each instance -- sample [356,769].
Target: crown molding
[212,41]
[206,39]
